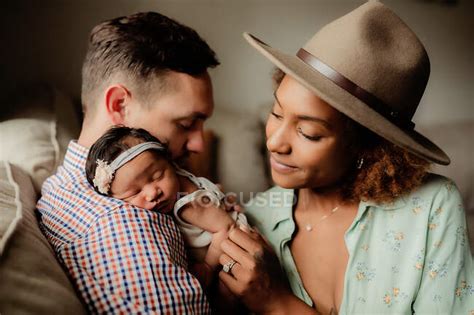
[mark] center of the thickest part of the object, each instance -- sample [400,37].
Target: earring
[360,162]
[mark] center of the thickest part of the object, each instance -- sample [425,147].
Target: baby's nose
[153,193]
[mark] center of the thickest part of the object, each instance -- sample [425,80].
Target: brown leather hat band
[371,100]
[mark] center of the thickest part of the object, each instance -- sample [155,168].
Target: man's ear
[117,98]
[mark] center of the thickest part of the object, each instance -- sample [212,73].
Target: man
[145,71]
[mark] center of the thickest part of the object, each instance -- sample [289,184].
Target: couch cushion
[10,202]
[32,281]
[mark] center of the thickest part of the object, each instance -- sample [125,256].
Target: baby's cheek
[139,201]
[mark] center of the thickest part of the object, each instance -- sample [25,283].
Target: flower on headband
[103,176]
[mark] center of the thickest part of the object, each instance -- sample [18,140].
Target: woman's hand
[256,277]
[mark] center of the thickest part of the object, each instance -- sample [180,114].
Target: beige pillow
[36,130]
[32,281]
[31,144]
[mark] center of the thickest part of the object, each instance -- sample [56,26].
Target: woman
[365,230]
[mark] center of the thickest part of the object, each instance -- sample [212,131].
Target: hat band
[371,100]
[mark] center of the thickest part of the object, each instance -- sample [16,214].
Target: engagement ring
[228,266]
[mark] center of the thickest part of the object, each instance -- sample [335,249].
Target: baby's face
[147,181]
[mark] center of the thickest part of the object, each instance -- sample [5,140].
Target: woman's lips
[281,167]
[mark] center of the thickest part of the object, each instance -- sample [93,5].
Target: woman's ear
[117,98]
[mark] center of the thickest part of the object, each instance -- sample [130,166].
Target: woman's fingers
[237,253]
[257,276]
[232,279]
[231,283]
[244,228]
[236,271]
[238,208]
[250,242]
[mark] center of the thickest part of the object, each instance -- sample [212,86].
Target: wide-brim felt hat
[370,66]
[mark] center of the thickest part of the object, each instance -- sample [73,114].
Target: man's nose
[278,140]
[195,141]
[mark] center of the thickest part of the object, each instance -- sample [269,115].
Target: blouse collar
[283,207]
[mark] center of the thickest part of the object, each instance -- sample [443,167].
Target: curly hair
[142,48]
[385,171]
[115,141]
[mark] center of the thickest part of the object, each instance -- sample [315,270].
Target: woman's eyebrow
[306,117]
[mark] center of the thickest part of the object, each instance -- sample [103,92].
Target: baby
[133,166]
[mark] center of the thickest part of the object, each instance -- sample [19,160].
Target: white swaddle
[194,236]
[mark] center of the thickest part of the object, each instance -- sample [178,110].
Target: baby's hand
[214,251]
[207,217]
[231,204]
[230,201]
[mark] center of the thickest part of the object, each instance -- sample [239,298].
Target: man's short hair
[141,48]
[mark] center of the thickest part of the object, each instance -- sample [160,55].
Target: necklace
[309,227]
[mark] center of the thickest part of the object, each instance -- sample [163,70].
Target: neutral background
[47,39]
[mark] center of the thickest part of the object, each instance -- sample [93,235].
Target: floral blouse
[410,256]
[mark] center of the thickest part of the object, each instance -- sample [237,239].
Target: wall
[47,40]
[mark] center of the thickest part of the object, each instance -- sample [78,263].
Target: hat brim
[348,104]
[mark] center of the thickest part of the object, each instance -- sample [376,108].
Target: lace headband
[104,172]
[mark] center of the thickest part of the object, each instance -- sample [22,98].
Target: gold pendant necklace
[309,227]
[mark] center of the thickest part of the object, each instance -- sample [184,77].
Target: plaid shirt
[122,259]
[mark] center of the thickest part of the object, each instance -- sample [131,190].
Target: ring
[228,266]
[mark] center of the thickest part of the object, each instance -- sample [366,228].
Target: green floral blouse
[410,256]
